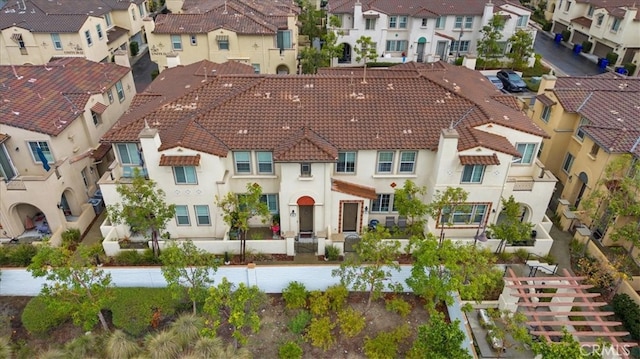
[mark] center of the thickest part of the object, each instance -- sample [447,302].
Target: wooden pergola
[571,293]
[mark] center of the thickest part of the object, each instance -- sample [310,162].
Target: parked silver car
[495,81]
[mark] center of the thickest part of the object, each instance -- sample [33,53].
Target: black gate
[350,241]
[306,244]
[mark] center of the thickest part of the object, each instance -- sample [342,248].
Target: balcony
[530,183]
[32,182]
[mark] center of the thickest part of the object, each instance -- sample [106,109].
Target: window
[44,147]
[370,24]
[385,162]
[243,162]
[96,118]
[305,170]
[85,177]
[526,152]
[407,161]
[256,68]
[271,200]
[193,40]
[568,162]
[616,25]
[468,22]
[590,11]
[99,31]
[403,22]
[594,150]
[185,175]
[7,170]
[202,215]
[284,39]
[463,46]
[265,162]
[182,215]
[567,6]
[458,23]
[223,42]
[600,19]
[522,21]
[540,149]
[176,42]
[110,95]
[546,113]
[129,154]
[463,214]
[472,173]
[57,43]
[579,130]
[107,19]
[440,22]
[120,91]
[87,35]
[346,162]
[382,203]
[424,22]
[393,22]
[133,14]
[141,9]
[397,45]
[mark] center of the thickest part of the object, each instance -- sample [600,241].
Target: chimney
[173,60]
[469,61]
[548,82]
[487,13]
[121,57]
[447,156]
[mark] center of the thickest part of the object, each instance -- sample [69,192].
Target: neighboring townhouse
[51,119]
[610,25]
[263,34]
[592,121]
[32,32]
[424,31]
[327,149]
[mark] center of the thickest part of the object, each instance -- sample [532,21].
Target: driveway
[142,72]
[562,59]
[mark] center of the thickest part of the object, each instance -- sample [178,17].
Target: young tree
[309,18]
[512,331]
[521,49]
[446,203]
[143,208]
[372,265]
[365,51]
[408,202]
[568,348]
[238,209]
[439,340]
[186,268]
[489,46]
[509,228]
[236,306]
[75,283]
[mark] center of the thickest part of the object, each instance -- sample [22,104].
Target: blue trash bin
[577,49]
[603,64]
[558,38]
[622,70]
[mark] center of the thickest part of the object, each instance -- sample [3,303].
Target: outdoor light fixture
[293,213]
[366,208]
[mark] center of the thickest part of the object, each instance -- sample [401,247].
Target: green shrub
[319,333]
[521,254]
[299,323]
[337,295]
[154,74]
[566,34]
[628,312]
[612,57]
[332,252]
[17,255]
[547,26]
[531,84]
[136,258]
[40,318]
[133,308]
[458,61]
[351,322]
[134,48]
[290,350]
[385,344]
[318,302]
[630,67]
[586,46]
[71,238]
[295,295]
[398,305]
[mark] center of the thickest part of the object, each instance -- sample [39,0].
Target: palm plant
[120,346]
[162,345]
[187,329]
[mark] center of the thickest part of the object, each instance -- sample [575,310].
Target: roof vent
[227,85]
[389,86]
[407,131]
[308,86]
[506,117]
[360,96]
[295,98]
[242,132]
[267,95]
[353,119]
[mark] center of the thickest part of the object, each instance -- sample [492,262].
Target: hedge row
[629,313]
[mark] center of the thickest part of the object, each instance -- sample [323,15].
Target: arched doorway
[305,209]
[34,223]
[282,70]
[422,42]
[584,179]
[346,54]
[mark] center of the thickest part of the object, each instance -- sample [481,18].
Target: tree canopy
[365,51]
[521,48]
[489,45]
[510,228]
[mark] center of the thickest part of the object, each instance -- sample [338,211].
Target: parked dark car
[495,81]
[512,81]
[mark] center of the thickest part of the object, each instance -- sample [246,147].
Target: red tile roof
[417,8]
[614,7]
[353,189]
[180,160]
[479,160]
[311,117]
[545,100]
[101,151]
[4,137]
[584,21]
[99,108]
[48,98]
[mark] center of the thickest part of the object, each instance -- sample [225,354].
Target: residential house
[32,32]
[592,121]
[328,150]
[51,118]
[611,26]
[422,31]
[262,34]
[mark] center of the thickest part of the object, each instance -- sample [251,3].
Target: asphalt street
[562,58]
[142,72]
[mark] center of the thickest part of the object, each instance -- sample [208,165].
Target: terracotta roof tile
[545,100]
[584,21]
[413,7]
[99,108]
[4,137]
[101,151]
[353,189]
[306,145]
[180,160]
[479,160]
[115,33]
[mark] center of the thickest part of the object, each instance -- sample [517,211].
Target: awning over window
[445,36]
[353,189]
[222,37]
[3,137]
[99,108]
[371,16]
[101,151]
[545,100]
[479,160]
[179,160]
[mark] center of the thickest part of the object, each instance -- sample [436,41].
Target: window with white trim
[193,39]
[464,46]
[96,118]
[7,169]
[458,23]
[396,45]
[522,21]
[305,170]
[182,215]
[107,19]
[546,113]
[424,22]
[346,162]
[185,175]
[468,22]
[600,20]
[283,39]
[407,162]
[473,173]
[203,218]
[176,42]
[579,130]
[615,26]
[44,147]
[265,162]
[57,43]
[242,161]
[402,24]
[369,24]
[129,154]
[87,36]
[120,91]
[141,9]
[464,214]
[441,22]
[271,199]
[590,11]
[594,150]
[110,95]
[567,6]
[385,162]
[393,22]
[256,68]
[99,31]
[568,162]
[133,14]
[526,152]
[383,203]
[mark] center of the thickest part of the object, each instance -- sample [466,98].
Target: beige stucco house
[262,34]
[328,150]
[32,32]
[51,118]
